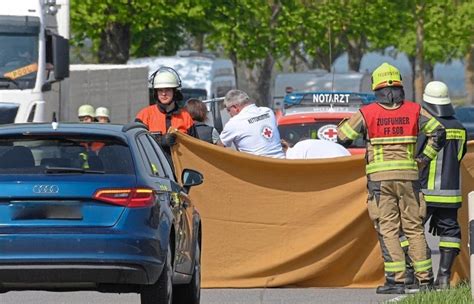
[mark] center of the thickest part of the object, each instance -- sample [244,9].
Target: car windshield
[19,52]
[51,154]
[326,130]
[465,114]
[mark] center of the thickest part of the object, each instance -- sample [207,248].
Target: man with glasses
[251,129]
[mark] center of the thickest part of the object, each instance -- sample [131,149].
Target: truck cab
[34,54]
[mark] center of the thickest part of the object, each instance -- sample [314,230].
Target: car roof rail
[134,125]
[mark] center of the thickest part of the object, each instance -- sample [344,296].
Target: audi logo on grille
[45,189]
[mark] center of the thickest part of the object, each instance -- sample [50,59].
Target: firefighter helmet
[166,79]
[436,99]
[102,112]
[85,110]
[386,75]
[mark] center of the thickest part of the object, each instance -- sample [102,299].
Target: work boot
[427,287]
[391,287]
[420,286]
[447,256]
[409,275]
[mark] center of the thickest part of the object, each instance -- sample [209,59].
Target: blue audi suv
[96,207]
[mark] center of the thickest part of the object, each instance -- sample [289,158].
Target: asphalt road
[209,296]
[221,296]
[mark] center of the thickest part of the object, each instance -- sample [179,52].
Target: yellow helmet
[386,75]
[85,110]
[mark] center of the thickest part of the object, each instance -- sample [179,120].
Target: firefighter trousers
[398,206]
[444,223]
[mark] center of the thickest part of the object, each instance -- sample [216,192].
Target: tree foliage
[154,26]
[260,34]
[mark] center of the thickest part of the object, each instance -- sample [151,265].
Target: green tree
[122,28]
[249,32]
[462,35]
[331,28]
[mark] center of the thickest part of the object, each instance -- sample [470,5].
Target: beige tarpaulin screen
[271,222]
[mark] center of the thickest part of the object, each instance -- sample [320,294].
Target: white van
[203,76]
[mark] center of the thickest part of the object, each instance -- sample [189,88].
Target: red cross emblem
[267,132]
[330,133]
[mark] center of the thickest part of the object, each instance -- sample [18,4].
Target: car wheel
[190,293]
[162,291]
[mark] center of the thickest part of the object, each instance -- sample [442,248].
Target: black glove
[168,139]
[422,161]
[434,230]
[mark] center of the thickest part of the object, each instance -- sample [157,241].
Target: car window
[326,130]
[152,162]
[164,160]
[33,154]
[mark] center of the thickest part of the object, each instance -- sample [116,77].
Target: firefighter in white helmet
[86,113]
[168,112]
[441,179]
[102,115]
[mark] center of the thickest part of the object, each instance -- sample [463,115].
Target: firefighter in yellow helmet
[86,113]
[395,202]
[102,115]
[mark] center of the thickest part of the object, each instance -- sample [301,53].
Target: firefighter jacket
[158,121]
[391,135]
[441,178]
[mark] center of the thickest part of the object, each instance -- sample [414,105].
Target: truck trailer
[119,87]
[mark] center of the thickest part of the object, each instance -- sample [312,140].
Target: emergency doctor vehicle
[315,115]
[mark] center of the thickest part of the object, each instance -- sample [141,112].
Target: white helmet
[85,110]
[436,99]
[102,112]
[165,79]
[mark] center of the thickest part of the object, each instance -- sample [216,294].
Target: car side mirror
[191,178]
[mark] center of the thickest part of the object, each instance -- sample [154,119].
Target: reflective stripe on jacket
[391,138]
[388,127]
[441,180]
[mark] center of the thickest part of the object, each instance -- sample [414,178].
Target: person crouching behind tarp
[395,202]
[198,111]
[441,179]
[168,111]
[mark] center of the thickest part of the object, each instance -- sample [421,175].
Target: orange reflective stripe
[394,83]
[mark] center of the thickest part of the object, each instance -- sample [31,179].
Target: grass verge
[461,294]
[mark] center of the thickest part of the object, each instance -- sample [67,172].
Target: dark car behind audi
[465,114]
[96,207]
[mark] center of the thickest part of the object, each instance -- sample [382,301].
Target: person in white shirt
[251,129]
[316,148]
